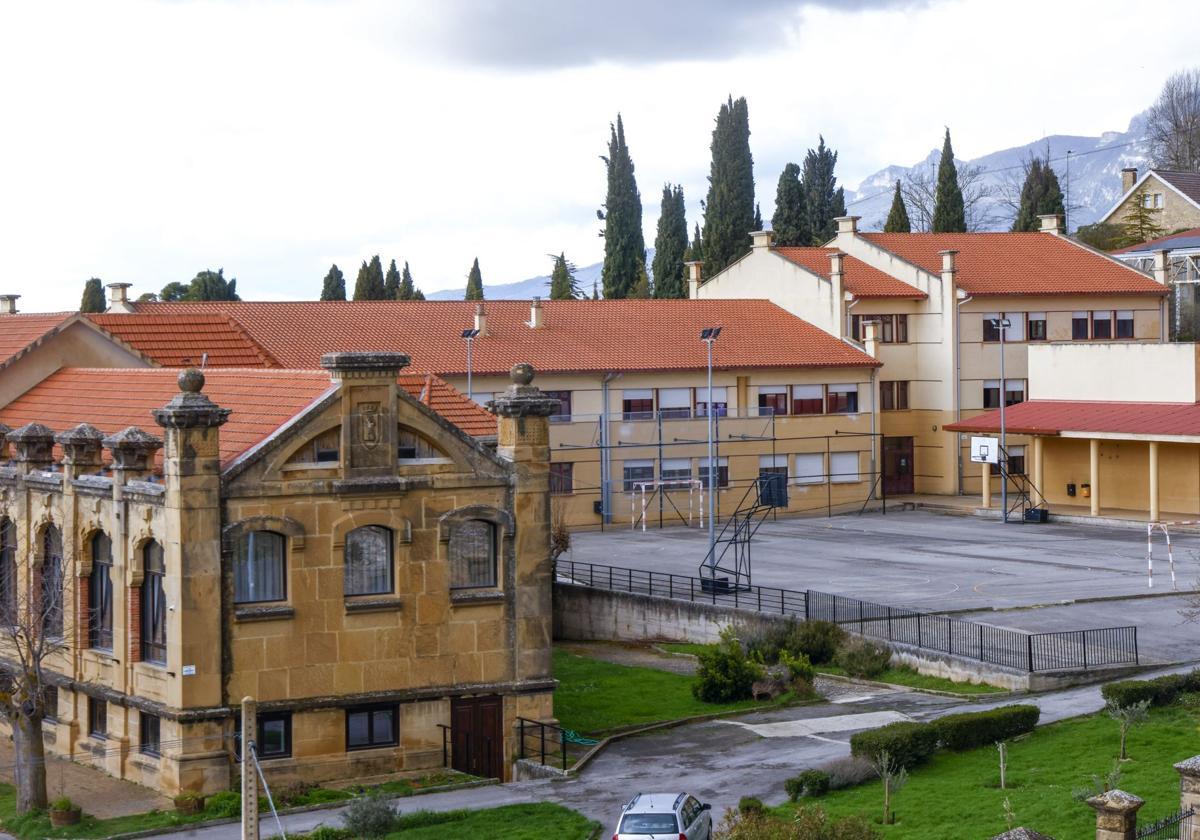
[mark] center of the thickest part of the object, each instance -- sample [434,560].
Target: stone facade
[372,576]
[1173,210]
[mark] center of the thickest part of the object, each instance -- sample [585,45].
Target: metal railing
[542,741]
[1177,826]
[466,762]
[1032,652]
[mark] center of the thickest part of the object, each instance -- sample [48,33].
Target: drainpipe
[605,453]
[958,388]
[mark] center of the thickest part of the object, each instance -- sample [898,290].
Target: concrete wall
[1114,372]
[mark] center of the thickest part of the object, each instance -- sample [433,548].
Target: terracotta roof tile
[1050,417]
[860,279]
[1019,264]
[450,403]
[181,339]
[19,331]
[113,398]
[614,335]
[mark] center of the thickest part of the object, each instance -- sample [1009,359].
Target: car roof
[650,803]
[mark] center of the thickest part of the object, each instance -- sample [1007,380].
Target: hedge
[1160,691]
[977,729]
[908,744]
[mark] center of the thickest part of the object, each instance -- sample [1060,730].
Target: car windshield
[648,824]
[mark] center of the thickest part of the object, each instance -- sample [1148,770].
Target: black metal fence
[1177,826]
[1060,651]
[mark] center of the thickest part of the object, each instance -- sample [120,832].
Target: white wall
[1117,372]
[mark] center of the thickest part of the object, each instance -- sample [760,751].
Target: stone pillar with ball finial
[522,415]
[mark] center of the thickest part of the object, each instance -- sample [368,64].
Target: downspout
[958,387]
[605,457]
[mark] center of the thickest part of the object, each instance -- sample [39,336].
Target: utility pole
[708,336]
[249,774]
[1067,203]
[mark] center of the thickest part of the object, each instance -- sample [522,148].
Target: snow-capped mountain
[1093,183]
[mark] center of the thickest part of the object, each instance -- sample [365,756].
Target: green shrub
[909,744]
[808,824]
[799,668]
[227,803]
[1161,691]
[765,640]
[751,805]
[725,674]
[1191,681]
[848,771]
[325,832]
[863,658]
[369,816]
[812,783]
[63,803]
[818,640]
[976,729]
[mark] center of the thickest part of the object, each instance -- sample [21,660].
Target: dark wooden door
[476,727]
[897,465]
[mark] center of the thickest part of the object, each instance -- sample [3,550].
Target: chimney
[847,224]
[481,319]
[837,292]
[118,298]
[762,238]
[536,317]
[8,304]
[1052,223]
[948,267]
[1162,262]
[693,277]
[1128,178]
[870,338]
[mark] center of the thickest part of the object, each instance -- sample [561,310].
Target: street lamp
[469,335]
[1001,325]
[709,335]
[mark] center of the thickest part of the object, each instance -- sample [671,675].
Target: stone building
[323,542]
[1173,196]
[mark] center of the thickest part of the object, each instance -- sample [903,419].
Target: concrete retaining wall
[584,614]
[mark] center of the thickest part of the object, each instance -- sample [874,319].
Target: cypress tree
[790,222]
[369,284]
[695,249]
[391,283]
[173,291]
[335,285]
[670,245]
[93,296]
[474,283]
[758,222]
[641,286]
[406,290]
[211,285]
[949,212]
[595,290]
[624,245]
[563,285]
[1041,195]
[897,220]
[824,200]
[729,209]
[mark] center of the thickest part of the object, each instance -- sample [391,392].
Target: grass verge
[596,697]
[962,789]
[509,822]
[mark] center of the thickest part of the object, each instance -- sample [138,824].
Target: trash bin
[1085,490]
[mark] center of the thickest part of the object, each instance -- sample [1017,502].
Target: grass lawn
[962,789]
[896,676]
[594,697]
[510,822]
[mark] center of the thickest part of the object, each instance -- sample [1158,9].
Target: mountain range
[1089,169]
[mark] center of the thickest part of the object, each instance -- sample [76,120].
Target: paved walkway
[98,793]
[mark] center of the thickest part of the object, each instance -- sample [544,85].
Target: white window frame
[838,472]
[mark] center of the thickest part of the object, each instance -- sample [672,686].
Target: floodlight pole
[469,335]
[1002,325]
[708,336]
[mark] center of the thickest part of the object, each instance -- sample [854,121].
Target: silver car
[665,816]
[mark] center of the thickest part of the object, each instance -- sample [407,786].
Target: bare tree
[31,632]
[1128,717]
[894,776]
[919,188]
[1173,124]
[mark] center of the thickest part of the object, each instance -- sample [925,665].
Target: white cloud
[145,141]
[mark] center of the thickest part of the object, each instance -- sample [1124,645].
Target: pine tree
[949,212]
[790,222]
[335,285]
[624,244]
[563,285]
[824,201]
[173,291]
[93,296]
[670,245]
[407,291]
[729,209]
[1041,195]
[897,220]
[474,283]
[1141,223]
[391,283]
[369,284]
[211,285]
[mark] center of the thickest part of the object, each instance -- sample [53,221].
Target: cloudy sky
[145,141]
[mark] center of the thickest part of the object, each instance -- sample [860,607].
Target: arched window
[8,571]
[472,553]
[100,594]
[154,605]
[51,601]
[259,570]
[368,561]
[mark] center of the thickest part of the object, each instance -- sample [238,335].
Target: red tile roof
[1051,417]
[21,330]
[450,403]
[613,335]
[114,398]
[1155,244]
[1019,264]
[182,339]
[860,279]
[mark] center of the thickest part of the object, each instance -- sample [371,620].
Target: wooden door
[477,736]
[897,466]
